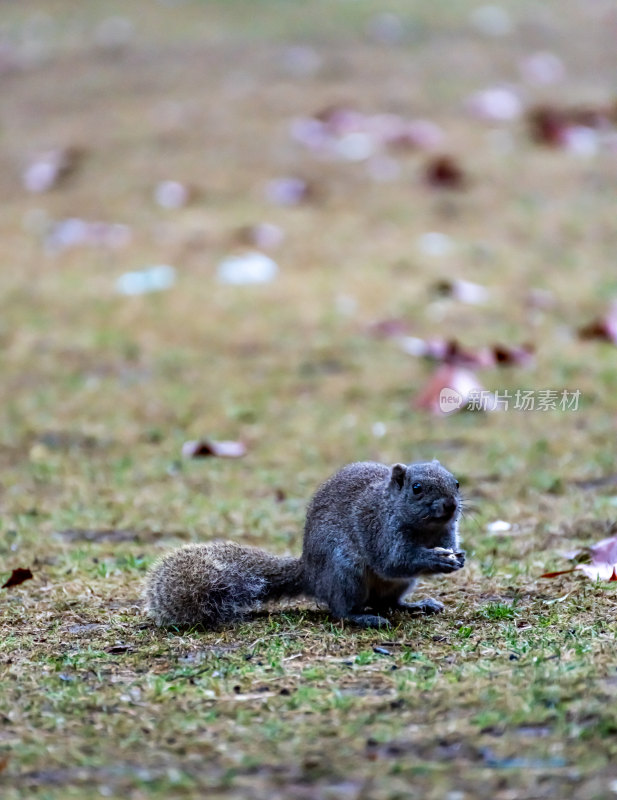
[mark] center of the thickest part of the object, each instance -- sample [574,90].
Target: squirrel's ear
[398,475]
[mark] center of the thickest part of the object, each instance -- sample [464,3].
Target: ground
[511,692]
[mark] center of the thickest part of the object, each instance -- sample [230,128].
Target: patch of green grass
[510,693]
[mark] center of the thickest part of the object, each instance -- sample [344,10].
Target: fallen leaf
[118,649]
[263,235]
[448,389]
[247,268]
[288,191]
[604,328]
[75,232]
[452,352]
[172,194]
[498,526]
[444,172]
[601,561]
[203,448]
[574,129]
[463,291]
[498,104]
[515,355]
[152,279]
[434,243]
[18,576]
[542,69]
[50,168]
[596,483]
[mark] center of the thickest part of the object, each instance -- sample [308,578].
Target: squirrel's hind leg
[347,598]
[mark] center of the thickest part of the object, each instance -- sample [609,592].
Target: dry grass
[511,693]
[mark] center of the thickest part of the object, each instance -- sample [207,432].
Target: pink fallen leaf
[449,352]
[75,232]
[18,576]
[48,169]
[542,68]
[432,349]
[448,389]
[172,194]
[605,550]
[601,564]
[203,448]
[415,134]
[289,191]
[498,104]
[340,120]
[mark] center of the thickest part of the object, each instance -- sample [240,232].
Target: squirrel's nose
[445,507]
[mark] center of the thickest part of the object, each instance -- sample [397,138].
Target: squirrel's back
[210,584]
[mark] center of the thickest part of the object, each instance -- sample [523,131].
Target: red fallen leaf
[448,352]
[18,576]
[444,172]
[604,328]
[555,574]
[203,448]
[520,355]
[558,127]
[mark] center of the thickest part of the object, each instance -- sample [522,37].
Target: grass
[511,692]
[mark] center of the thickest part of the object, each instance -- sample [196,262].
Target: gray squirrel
[370,531]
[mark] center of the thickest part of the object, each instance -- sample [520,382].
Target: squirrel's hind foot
[427,606]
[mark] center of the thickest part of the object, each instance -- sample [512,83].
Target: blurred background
[274,223]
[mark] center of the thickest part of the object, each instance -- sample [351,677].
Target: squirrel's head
[426,497]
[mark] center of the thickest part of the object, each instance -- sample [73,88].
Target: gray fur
[367,538]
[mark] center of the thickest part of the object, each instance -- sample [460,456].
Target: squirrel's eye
[458,485]
[417,488]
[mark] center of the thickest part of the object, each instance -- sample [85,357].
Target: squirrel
[370,531]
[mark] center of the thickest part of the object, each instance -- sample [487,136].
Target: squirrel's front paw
[445,560]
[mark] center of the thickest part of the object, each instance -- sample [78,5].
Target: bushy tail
[214,583]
